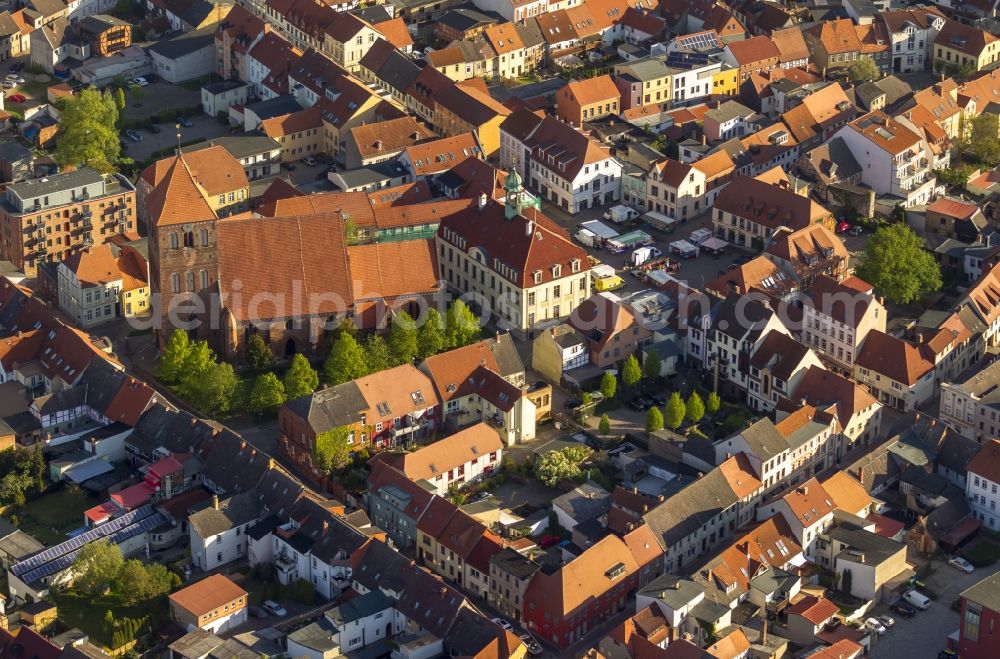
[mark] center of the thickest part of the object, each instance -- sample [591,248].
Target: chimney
[482,201]
[635,490]
[326,525]
[861,474]
[529,228]
[215,501]
[804,490]
[728,455]
[704,139]
[645,508]
[763,631]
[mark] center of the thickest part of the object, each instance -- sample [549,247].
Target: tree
[846,582]
[654,419]
[172,360]
[377,355]
[713,404]
[132,583]
[267,393]
[199,359]
[631,372]
[259,354]
[346,360]
[673,413]
[97,566]
[555,466]
[431,338]
[87,131]
[897,265]
[461,325]
[13,488]
[695,408]
[331,452]
[403,338]
[652,365]
[216,388]
[604,426]
[984,143]
[609,385]
[301,379]
[863,70]
[120,103]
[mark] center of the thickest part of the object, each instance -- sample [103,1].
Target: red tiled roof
[986,463]
[207,595]
[816,610]
[893,357]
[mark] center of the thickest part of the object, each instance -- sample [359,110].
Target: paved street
[924,634]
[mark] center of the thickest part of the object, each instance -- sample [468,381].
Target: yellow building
[726,82]
[462,109]
[300,134]
[965,49]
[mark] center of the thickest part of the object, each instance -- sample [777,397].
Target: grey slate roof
[185,44]
[513,563]
[359,608]
[583,503]
[332,407]
[674,591]
[316,636]
[12,150]
[876,548]
[235,511]
[57,183]
[986,592]
[683,513]
[764,439]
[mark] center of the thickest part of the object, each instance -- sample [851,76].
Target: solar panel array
[119,529]
[686,60]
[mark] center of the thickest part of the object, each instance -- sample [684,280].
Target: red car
[843,227]
[17,98]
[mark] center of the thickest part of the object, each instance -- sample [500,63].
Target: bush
[303,592]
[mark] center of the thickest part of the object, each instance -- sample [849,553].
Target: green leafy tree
[13,488]
[301,379]
[431,338]
[120,103]
[631,372]
[461,325]
[652,365]
[97,566]
[331,452]
[695,408]
[171,363]
[897,265]
[604,425]
[555,466]
[267,393]
[259,354]
[346,360]
[88,134]
[199,359]
[377,354]
[609,385]
[654,419]
[216,388]
[714,403]
[674,411]
[863,70]
[846,582]
[403,338]
[984,143]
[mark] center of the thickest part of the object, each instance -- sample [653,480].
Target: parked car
[856,230]
[917,599]
[960,563]
[534,647]
[659,398]
[843,227]
[887,621]
[184,121]
[872,624]
[290,166]
[903,609]
[503,623]
[155,128]
[17,67]
[572,403]
[133,135]
[16,79]
[139,81]
[309,161]
[482,496]
[640,404]
[258,612]
[9,84]
[16,98]
[274,608]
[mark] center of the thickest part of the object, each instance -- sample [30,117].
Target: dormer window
[557,271]
[538,276]
[575,265]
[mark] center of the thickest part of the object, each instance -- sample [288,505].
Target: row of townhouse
[593,586]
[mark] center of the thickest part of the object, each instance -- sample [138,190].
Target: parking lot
[202,128]
[925,634]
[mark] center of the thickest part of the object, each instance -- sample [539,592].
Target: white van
[917,599]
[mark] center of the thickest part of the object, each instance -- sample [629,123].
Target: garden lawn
[50,517]
[86,614]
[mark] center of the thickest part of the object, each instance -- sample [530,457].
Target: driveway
[202,128]
[927,632]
